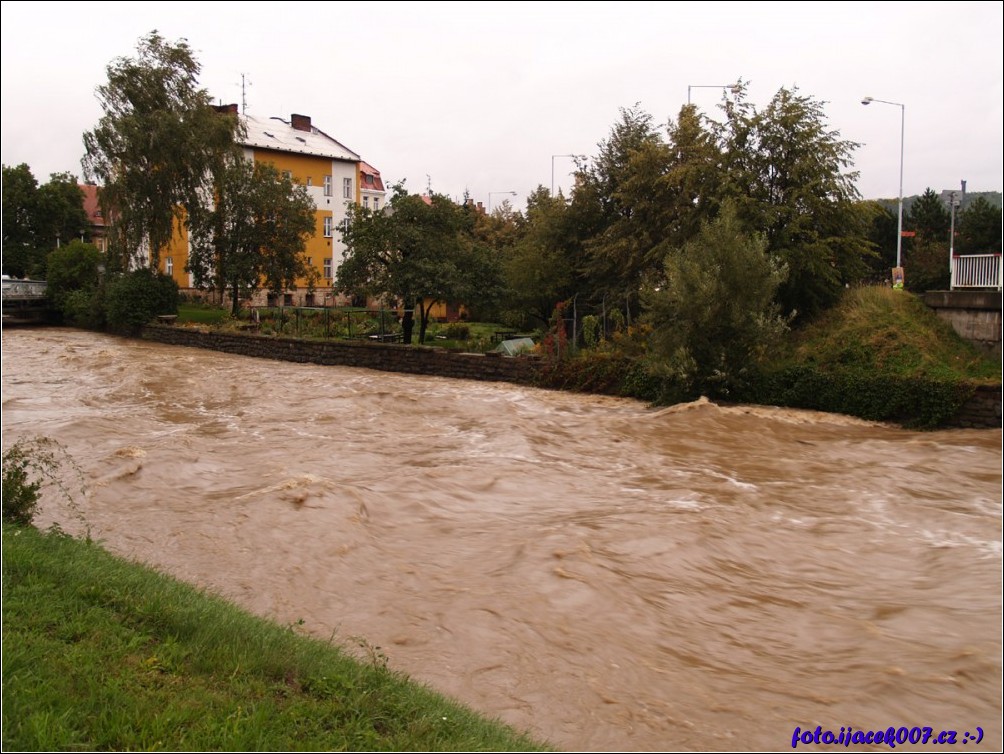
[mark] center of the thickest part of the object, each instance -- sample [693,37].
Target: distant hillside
[993,197]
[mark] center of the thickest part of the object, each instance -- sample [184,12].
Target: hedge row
[909,401]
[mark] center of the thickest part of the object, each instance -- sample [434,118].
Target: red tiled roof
[91,205]
[366,169]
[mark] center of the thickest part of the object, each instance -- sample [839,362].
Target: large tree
[789,176]
[929,218]
[61,208]
[979,228]
[620,191]
[37,219]
[254,234]
[152,150]
[419,251]
[537,268]
[716,312]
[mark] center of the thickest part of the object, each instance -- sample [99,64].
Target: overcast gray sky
[482,96]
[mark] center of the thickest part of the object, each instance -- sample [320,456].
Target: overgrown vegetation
[37,219]
[101,654]
[134,298]
[880,354]
[30,465]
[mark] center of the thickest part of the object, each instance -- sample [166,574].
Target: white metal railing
[977,271]
[23,289]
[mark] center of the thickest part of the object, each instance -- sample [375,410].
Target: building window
[327,185]
[310,181]
[346,188]
[366,202]
[376,204]
[327,269]
[309,300]
[287,174]
[169,266]
[287,299]
[327,227]
[369,180]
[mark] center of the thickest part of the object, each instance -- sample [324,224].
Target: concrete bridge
[24,301]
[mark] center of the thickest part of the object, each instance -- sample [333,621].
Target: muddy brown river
[605,575]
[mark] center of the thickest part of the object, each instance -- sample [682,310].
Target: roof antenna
[245,83]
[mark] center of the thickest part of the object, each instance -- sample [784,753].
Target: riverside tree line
[710,236]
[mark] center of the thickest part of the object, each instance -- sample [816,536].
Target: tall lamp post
[902,134]
[734,88]
[552,167]
[511,193]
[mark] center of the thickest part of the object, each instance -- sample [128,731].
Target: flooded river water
[602,574]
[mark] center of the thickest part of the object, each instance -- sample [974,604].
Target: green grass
[99,653]
[891,332]
[481,336]
[202,314]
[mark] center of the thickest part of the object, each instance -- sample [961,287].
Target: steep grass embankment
[100,653]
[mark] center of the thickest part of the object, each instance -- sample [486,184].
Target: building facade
[335,177]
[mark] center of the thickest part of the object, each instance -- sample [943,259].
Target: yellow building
[335,177]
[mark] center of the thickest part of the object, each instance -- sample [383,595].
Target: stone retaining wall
[982,411]
[349,353]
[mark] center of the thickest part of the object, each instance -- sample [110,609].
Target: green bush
[457,331]
[590,330]
[84,308]
[30,464]
[913,401]
[73,283]
[136,297]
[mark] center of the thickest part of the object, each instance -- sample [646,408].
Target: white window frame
[346,188]
[327,226]
[327,185]
[169,266]
[327,268]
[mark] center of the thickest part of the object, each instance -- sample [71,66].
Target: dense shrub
[135,298]
[29,465]
[912,401]
[73,283]
[457,331]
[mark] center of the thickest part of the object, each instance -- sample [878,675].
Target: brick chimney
[300,122]
[226,109]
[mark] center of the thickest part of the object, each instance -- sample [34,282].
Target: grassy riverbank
[888,332]
[879,354]
[99,653]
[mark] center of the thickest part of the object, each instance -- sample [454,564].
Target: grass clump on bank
[880,354]
[100,653]
[891,332]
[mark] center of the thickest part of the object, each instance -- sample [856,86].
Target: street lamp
[552,167]
[734,88]
[902,134]
[511,193]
